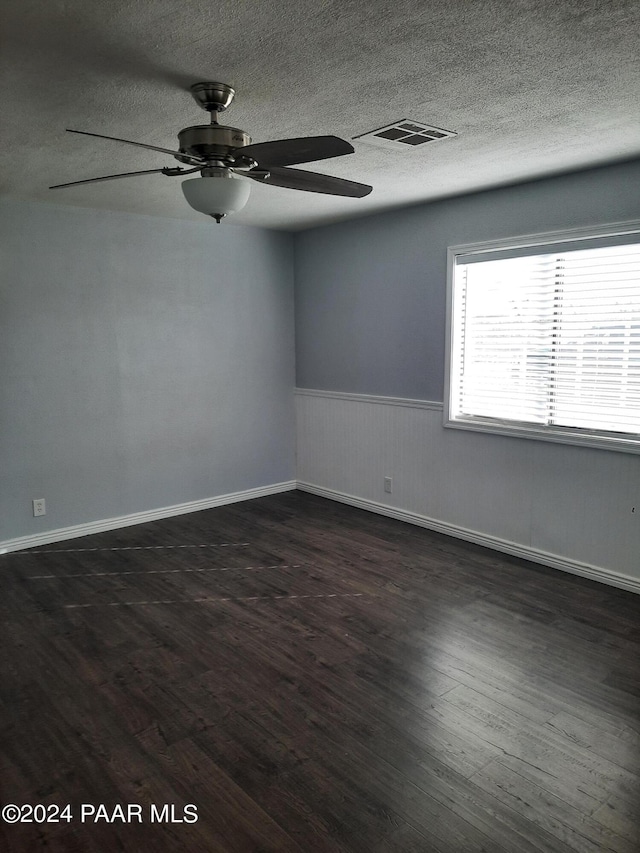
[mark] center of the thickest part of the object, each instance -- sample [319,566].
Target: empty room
[320,427]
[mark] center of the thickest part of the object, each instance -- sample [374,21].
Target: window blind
[549,339]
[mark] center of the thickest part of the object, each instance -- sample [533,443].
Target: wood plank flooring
[312,677]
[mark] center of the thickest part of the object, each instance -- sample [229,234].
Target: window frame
[566,435]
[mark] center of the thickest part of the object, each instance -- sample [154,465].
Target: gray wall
[144,362]
[370,309]
[370,293]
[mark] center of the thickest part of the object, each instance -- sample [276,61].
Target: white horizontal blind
[549,339]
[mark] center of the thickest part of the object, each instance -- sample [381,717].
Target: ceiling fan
[225,158]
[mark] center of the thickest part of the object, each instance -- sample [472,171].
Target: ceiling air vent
[405,132]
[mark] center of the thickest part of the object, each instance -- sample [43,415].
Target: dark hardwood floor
[312,677]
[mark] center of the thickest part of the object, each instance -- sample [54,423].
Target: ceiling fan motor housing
[211,141]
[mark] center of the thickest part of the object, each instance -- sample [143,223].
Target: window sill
[576,437]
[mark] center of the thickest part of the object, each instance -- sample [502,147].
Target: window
[544,337]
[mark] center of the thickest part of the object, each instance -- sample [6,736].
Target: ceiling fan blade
[184,157]
[290,152]
[312,182]
[105,178]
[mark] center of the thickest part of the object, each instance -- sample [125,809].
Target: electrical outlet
[39,507]
[388,485]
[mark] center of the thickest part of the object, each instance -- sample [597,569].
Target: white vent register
[405,133]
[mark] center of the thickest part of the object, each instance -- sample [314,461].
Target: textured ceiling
[532,88]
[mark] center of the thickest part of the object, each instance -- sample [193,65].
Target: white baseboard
[554,561]
[63,533]
[585,570]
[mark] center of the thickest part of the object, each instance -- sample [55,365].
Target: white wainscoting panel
[563,506]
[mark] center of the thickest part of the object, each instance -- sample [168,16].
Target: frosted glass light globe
[218,194]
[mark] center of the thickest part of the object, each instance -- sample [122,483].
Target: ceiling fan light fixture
[228,161]
[217,193]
